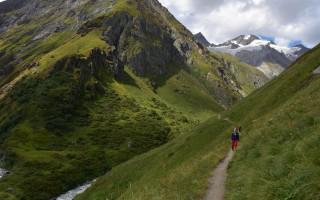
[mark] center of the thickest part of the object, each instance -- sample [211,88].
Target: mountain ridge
[269,57]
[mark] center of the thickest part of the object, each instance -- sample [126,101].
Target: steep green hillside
[177,170]
[277,159]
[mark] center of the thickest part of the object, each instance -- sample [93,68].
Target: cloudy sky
[219,20]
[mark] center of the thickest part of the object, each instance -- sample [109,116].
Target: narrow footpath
[217,181]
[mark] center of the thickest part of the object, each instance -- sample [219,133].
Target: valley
[122,93]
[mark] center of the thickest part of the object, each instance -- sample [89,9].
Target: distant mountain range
[267,56]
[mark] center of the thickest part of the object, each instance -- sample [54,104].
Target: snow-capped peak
[253,42]
[239,41]
[269,57]
[247,37]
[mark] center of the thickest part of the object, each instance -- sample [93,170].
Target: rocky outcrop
[19,12]
[139,43]
[7,6]
[5,70]
[317,71]
[7,61]
[263,55]
[202,40]
[99,65]
[3,172]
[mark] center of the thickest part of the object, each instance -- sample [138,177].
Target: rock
[3,172]
[99,64]
[201,39]
[317,71]
[134,41]
[7,6]
[6,69]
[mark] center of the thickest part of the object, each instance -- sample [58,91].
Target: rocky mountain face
[147,38]
[269,57]
[86,85]
[201,39]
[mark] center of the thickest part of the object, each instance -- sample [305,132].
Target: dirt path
[218,179]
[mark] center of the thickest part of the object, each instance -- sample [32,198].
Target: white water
[70,195]
[3,172]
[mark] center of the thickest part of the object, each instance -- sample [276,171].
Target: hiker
[235,137]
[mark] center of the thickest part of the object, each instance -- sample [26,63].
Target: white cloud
[282,41]
[221,20]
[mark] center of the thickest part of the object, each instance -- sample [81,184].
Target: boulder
[317,71]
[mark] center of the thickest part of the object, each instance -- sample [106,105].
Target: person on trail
[235,138]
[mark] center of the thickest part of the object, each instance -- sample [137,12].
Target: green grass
[127,6]
[189,96]
[78,45]
[284,87]
[278,156]
[53,129]
[177,170]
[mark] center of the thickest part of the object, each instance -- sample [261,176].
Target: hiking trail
[217,181]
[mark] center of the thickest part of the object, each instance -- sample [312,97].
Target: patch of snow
[259,43]
[3,172]
[247,37]
[270,71]
[289,52]
[228,49]
[281,49]
[236,43]
[70,195]
[317,71]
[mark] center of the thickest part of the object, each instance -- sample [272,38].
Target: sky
[287,22]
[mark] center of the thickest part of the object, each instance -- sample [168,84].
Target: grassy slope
[50,162]
[275,161]
[184,96]
[177,170]
[279,157]
[136,115]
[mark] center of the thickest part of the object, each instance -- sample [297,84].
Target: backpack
[233,136]
[238,136]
